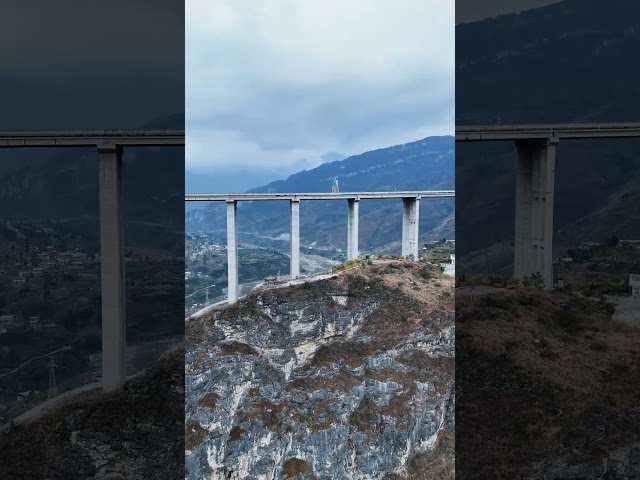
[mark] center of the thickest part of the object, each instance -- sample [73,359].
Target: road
[200,289]
[96,387]
[627,311]
[63,349]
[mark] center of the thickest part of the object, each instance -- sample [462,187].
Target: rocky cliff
[345,378]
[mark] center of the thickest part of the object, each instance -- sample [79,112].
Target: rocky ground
[547,387]
[345,378]
[134,434]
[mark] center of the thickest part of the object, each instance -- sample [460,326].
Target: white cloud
[270,83]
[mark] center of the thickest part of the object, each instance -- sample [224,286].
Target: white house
[634,283]
[6,320]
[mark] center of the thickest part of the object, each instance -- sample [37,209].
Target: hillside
[135,434]
[546,386]
[341,378]
[427,164]
[566,62]
[68,180]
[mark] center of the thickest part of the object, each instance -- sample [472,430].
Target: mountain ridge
[426,164]
[561,63]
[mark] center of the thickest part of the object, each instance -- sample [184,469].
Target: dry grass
[209,400]
[236,433]
[295,466]
[194,435]
[538,376]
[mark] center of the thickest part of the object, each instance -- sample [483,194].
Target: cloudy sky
[275,87]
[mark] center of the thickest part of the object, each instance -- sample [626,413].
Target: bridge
[109,145]
[410,222]
[535,182]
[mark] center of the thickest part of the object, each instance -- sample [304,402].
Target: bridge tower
[53,389]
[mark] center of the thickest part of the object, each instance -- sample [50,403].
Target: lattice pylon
[53,389]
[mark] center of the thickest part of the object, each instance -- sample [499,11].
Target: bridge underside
[410,227]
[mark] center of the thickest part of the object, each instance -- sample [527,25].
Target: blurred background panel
[548,235]
[87,366]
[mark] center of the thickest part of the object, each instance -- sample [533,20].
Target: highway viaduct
[535,182]
[410,222]
[109,145]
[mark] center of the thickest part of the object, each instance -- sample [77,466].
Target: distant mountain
[242,180]
[62,184]
[568,62]
[427,164]
[196,182]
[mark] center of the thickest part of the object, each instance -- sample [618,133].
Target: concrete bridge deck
[477,133]
[213,197]
[91,138]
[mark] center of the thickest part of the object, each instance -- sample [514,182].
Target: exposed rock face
[346,378]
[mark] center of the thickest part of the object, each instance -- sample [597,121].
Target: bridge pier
[294,231]
[232,251]
[112,268]
[534,209]
[410,227]
[352,228]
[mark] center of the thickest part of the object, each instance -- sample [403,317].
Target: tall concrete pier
[410,228]
[114,326]
[352,228]
[232,251]
[534,208]
[294,230]
[535,178]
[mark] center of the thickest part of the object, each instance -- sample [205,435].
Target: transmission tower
[207,293]
[334,186]
[53,389]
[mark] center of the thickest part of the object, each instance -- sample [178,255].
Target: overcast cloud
[279,84]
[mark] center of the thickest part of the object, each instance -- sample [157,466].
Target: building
[7,320]
[634,284]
